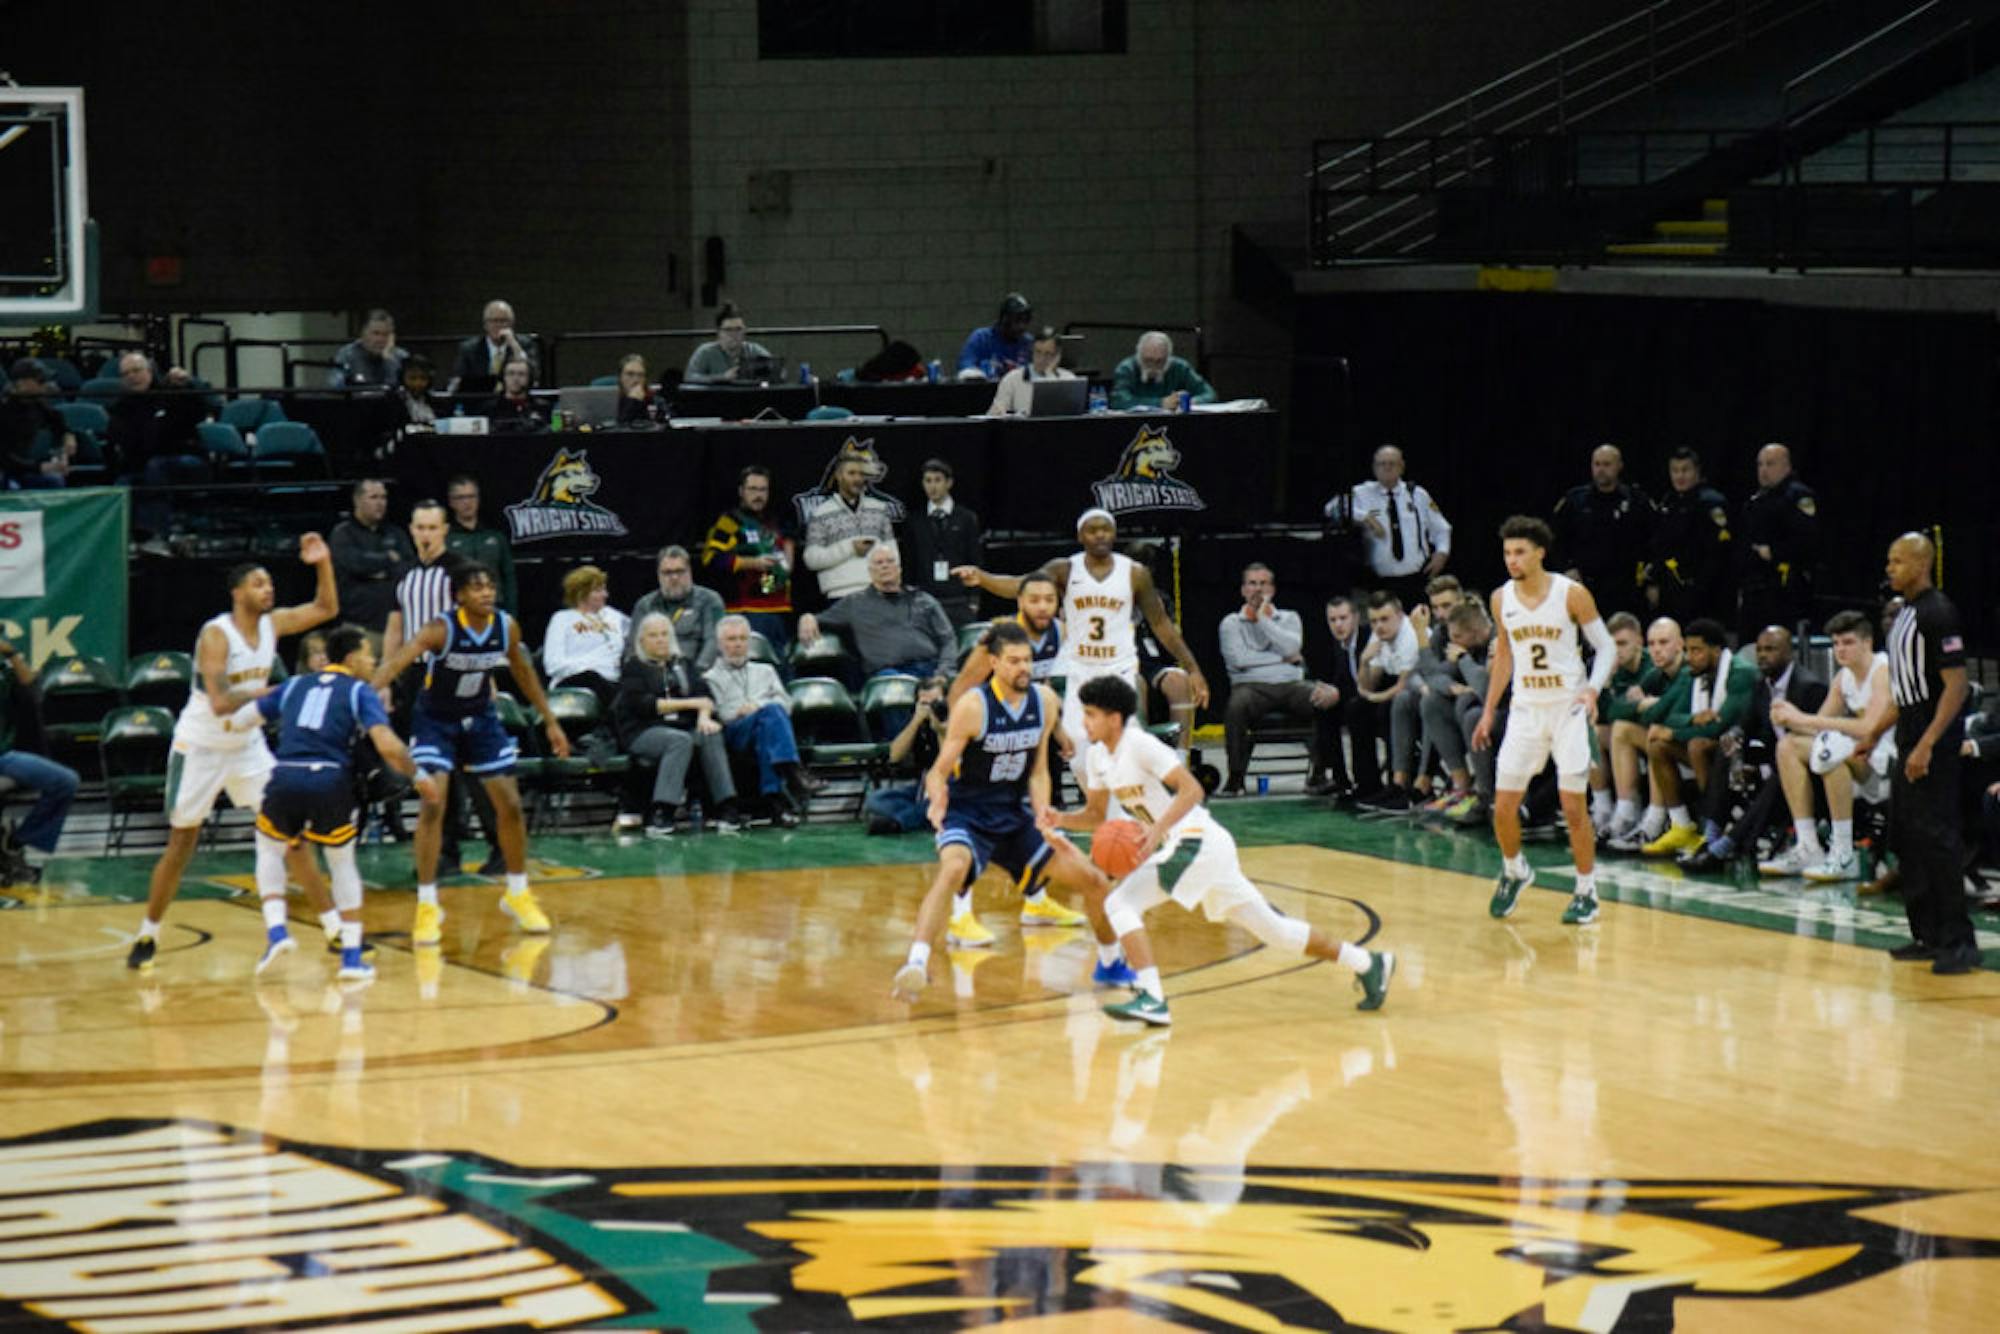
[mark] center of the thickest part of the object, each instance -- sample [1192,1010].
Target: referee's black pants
[1929,850]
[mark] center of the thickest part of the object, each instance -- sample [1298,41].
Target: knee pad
[345,873]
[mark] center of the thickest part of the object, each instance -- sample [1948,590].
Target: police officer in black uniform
[1603,529]
[1687,572]
[1777,546]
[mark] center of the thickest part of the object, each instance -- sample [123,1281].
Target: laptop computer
[1059,398]
[589,405]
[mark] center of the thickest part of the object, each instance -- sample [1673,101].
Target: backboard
[47,262]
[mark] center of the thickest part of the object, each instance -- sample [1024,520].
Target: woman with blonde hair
[585,643]
[664,714]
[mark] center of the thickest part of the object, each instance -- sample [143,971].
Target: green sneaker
[1375,982]
[1507,891]
[1582,910]
[1144,1007]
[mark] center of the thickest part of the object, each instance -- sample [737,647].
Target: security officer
[1405,537]
[1687,575]
[1602,531]
[1778,547]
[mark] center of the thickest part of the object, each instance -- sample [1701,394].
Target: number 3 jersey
[458,682]
[1098,637]
[1547,648]
[992,773]
[324,715]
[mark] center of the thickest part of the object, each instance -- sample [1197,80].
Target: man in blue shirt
[311,795]
[991,352]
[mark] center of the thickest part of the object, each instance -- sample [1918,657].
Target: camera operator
[900,809]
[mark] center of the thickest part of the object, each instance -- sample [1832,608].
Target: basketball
[1115,847]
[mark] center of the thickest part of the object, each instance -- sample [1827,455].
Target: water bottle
[694,817]
[805,372]
[934,370]
[556,420]
[1099,400]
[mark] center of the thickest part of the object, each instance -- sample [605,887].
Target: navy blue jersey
[458,683]
[1048,647]
[323,716]
[993,770]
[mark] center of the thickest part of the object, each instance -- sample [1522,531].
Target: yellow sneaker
[1045,911]
[429,928]
[1680,838]
[523,909]
[967,932]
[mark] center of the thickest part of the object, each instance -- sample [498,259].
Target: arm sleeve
[1437,529]
[1286,633]
[1235,649]
[1199,390]
[1606,660]
[1125,384]
[825,554]
[836,616]
[942,636]
[555,646]
[711,616]
[972,351]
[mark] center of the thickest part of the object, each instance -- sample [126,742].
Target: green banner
[63,584]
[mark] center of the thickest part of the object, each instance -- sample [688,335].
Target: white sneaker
[1794,860]
[1835,868]
[628,821]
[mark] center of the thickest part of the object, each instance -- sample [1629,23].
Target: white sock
[920,955]
[961,903]
[274,913]
[1679,815]
[329,921]
[1653,821]
[1843,838]
[350,935]
[1149,982]
[1107,955]
[1354,957]
[1586,884]
[149,929]
[1517,865]
[1808,833]
[1601,807]
[517,882]
[427,894]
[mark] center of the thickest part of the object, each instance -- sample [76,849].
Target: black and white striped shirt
[1924,640]
[424,595]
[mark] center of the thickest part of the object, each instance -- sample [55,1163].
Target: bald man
[1603,528]
[1777,546]
[1662,683]
[481,356]
[1405,537]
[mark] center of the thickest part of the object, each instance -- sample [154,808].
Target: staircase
[1706,237]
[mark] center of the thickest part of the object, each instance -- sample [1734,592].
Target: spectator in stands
[155,439]
[693,611]
[1015,393]
[1433,659]
[1719,687]
[1262,648]
[1145,379]
[1603,529]
[1778,545]
[1687,564]
[1335,699]
[585,643]
[945,536]
[1845,741]
[637,403]
[1388,668]
[749,555]
[663,715]
[514,410]
[25,848]
[990,352]
[730,358]
[469,537]
[373,360]
[311,659]
[756,714]
[482,356]
[892,628]
[369,557]
[1451,710]
[413,394]
[34,443]
[900,808]
[1614,702]
[843,528]
[1662,685]
[1405,537]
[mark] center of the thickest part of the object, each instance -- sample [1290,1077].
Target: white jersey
[1856,694]
[246,668]
[1136,774]
[1546,643]
[1098,635]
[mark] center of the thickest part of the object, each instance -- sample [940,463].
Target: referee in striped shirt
[1927,678]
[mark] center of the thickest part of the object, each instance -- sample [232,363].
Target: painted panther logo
[560,504]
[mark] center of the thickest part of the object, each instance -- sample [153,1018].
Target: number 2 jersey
[458,682]
[992,772]
[323,716]
[1546,644]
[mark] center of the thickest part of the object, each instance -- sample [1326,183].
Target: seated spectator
[903,808]
[756,714]
[1261,649]
[1388,668]
[482,356]
[1849,742]
[413,395]
[1144,379]
[1454,695]
[373,360]
[1016,393]
[694,611]
[731,358]
[843,527]
[637,403]
[1335,700]
[1719,686]
[1434,673]
[154,439]
[1614,792]
[941,539]
[312,658]
[990,352]
[25,848]
[514,409]
[748,553]
[35,445]
[663,715]
[585,643]
[1661,686]
[892,628]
